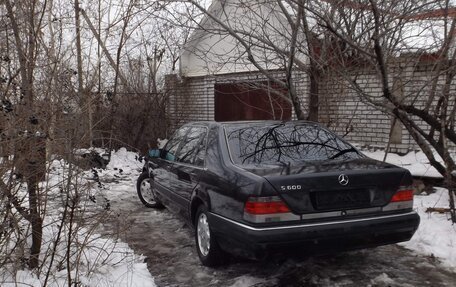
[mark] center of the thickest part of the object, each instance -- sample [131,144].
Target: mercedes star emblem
[343,179]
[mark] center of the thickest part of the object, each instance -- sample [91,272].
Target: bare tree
[26,20]
[385,38]
[346,41]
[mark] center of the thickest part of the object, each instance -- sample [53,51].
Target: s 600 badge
[290,187]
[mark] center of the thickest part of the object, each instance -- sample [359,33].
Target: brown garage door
[247,101]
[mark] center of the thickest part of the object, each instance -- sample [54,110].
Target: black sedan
[258,188]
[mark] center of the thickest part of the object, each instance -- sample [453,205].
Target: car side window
[172,146]
[193,148]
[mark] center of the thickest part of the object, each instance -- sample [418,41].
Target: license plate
[342,199]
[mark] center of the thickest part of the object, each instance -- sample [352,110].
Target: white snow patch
[416,162]
[246,281]
[125,160]
[24,278]
[103,261]
[382,280]
[82,151]
[436,235]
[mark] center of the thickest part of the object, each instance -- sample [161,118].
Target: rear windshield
[285,143]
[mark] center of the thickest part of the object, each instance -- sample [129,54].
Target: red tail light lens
[403,195]
[265,205]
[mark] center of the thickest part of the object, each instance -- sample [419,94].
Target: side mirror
[154,153]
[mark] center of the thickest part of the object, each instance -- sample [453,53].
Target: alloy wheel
[146,191]
[204,235]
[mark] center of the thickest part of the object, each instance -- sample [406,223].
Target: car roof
[253,123]
[249,123]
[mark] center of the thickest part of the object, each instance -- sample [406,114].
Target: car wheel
[145,191]
[208,249]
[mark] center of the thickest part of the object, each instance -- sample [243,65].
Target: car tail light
[403,194]
[265,205]
[267,209]
[402,199]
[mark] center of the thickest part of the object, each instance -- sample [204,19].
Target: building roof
[211,50]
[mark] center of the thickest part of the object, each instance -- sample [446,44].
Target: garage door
[250,101]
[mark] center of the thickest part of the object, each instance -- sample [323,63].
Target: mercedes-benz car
[262,187]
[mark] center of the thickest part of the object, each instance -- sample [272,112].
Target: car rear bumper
[314,237]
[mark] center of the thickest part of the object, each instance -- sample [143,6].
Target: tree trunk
[36,222]
[84,97]
[295,101]
[31,159]
[314,95]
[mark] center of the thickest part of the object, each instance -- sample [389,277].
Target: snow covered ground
[95,260]
[436,235]
[106,261]
[416,162]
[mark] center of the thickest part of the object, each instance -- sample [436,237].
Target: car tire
[145,192]
[209,251]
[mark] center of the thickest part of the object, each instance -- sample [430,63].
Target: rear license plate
[343,199]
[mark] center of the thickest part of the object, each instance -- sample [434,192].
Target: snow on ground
[104,263]
[416,162]
[436,235]
[382,280]
[122,170]
[109,262]
[99,261]
[125,160]
[247,281]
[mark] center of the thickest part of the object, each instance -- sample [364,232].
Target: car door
[188,165]
[184,167]
[190,160]
[163,173]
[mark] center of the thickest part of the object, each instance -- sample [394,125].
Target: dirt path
[170,253]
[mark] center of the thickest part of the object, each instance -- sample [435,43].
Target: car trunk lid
[334,186]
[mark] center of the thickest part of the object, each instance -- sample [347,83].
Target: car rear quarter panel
[225,186]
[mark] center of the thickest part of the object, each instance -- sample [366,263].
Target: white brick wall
[192,99]
[341,107]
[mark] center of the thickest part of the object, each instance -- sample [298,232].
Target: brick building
[211,86]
